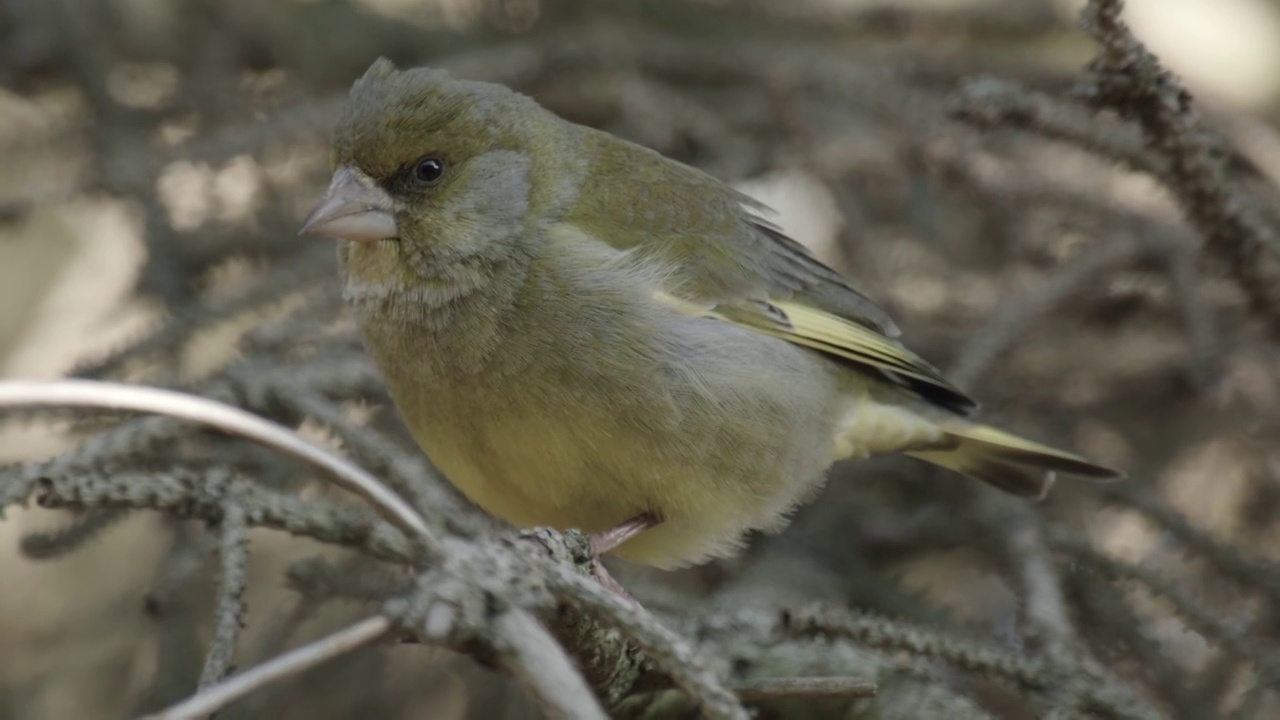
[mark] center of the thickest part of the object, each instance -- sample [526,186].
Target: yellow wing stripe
[862,343]
[818,330]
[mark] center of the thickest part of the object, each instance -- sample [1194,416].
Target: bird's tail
[1006,461]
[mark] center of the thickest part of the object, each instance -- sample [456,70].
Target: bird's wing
[727,262]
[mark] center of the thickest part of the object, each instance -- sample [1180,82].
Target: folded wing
[729,263]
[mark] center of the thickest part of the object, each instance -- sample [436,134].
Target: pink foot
[605,542]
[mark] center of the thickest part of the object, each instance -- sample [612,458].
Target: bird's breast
[542,411]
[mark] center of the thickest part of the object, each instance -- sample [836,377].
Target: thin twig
[1033,672]
[886,634]
[992,103]
[1202,336]
[1113,624]
[1044,607]
[229,609]
[295,661]
[1017,312]
[86,527]
[541,666]
[229,419]
[1205,620]
[809,688]
[1232,561]
[205,494]
[407,472]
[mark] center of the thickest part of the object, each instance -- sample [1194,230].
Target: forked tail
[1006,461]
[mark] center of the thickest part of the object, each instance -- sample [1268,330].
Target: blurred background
[156,157]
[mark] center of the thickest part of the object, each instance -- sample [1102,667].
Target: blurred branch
[832,688]
[1129,79]
[1019,311]
[885,634]
[1039,673]
[301,274]
[992,103]
[1194,612]
[1202,334]
[1116,627]
[1258,572]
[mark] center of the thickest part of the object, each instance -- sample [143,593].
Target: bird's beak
[353,208]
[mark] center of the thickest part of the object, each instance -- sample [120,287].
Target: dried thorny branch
[992,210]
[1130,80]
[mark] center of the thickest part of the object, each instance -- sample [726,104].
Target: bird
[581,333]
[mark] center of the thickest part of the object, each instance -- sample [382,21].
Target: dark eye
[428,170]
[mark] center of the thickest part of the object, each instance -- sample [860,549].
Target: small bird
[582,333]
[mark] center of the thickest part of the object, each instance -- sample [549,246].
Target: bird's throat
[443,327]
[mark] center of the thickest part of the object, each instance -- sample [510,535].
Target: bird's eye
[428,170]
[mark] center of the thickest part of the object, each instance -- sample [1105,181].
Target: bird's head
[431,172]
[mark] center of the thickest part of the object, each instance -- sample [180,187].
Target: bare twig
[229,609]
[405,471]
[115,396]
[812,688]
[1016,313]
[86,527]
[169,603]
[1232,561]
[541,666]
[295,661]
[1113,624]
[1202,335]
[317,578]
[1044,607]
[1194,612]
[204,495]
[885,634]
[1033,672]
[990,103]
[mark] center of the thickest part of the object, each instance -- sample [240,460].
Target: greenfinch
[582,333]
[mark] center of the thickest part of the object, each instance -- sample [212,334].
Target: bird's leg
[607,541]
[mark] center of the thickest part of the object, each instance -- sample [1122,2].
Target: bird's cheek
[374,261]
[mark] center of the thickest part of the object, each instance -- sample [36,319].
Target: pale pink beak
[353,208]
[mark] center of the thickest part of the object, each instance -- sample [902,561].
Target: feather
[838,338]
[1006,461]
